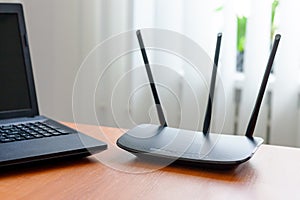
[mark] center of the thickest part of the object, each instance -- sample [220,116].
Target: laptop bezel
[17,8]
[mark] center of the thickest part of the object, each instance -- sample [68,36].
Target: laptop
[26,136]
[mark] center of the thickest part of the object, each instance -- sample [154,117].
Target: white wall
[53,32]
[61,34]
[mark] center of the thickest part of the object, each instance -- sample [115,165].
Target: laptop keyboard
[28,131]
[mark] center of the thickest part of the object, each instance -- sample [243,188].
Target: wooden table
[273,173]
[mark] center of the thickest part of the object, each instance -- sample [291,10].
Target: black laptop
[25,136]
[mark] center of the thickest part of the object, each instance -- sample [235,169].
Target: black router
[192,147]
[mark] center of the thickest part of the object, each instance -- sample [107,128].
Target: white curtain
[201,21]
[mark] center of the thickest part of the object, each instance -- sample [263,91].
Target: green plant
[241,33]
[273,25]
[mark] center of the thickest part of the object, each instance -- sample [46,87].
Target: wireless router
[192,147]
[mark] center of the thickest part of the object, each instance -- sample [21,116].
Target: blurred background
[63,32]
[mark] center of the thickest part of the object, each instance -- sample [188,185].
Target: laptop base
[74,144]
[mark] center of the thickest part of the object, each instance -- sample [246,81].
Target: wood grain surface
[273,173]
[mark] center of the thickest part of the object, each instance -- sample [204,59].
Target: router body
[190,147]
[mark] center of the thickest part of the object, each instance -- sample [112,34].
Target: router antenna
[159,109]
[207,118]
[253,119]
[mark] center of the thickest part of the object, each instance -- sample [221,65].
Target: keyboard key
[20,138]
[29,136]
[10,136]
[47,134]
[7,140]
[33,132]
[6,127]
[42,132]
[13,132]
[56,133]
[38,135]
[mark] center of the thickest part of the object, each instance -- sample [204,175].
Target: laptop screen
[14,85]
[17,90]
